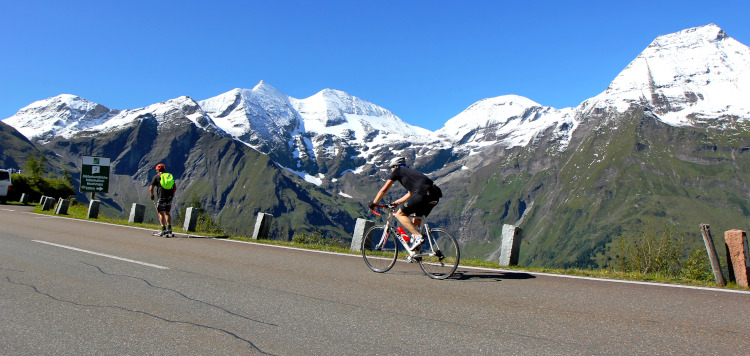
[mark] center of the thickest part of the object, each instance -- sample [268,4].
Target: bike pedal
[413,258]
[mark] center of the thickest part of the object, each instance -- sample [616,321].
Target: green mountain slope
[15,149]
[626,173]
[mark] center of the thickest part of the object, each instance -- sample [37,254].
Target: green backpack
[167,180]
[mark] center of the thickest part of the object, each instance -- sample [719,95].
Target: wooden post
[711,249]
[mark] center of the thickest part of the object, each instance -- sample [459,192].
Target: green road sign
[94,174]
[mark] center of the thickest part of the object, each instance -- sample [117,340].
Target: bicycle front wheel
[440,254]
[379,249]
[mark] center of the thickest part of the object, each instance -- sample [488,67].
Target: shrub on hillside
[650,252]
[205,223]
[659,253]
[36,187]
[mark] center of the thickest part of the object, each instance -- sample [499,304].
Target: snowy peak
[338,113]
[511,119]
[250,114]
[686,78]
[690,38]
[263,114]
[68,115]
[62,115]
[178,111]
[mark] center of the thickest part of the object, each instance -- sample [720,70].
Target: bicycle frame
[438,256]
[390,228]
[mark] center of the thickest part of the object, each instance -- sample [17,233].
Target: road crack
[151,315]
[181,295]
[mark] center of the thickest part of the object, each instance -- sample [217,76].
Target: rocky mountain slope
[15,148]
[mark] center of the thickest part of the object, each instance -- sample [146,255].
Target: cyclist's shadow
[490,275]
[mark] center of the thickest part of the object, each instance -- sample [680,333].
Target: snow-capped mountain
[67,115]
[271,121]
[572,178]
[508,120]
[337,113]
[686,78]
[258,115]
[63,115]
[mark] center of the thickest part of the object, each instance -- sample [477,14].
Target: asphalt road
[79,287]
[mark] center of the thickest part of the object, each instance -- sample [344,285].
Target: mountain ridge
[572,178]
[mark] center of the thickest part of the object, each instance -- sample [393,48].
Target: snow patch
[317,180]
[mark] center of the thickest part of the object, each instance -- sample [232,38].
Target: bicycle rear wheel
[440,259]
[379,249]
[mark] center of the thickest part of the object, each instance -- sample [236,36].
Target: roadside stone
[137,213]
[262,226]
[360,229]
[62,206]
[738,256]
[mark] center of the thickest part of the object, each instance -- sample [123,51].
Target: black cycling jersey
[424,193]
[413,180]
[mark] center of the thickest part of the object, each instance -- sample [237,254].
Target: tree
[36,167]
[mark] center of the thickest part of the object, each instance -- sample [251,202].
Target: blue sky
[426,61]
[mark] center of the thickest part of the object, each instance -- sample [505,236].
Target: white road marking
[101,254]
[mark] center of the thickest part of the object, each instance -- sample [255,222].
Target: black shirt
[413,180]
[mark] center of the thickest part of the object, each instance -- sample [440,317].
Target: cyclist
[421,197]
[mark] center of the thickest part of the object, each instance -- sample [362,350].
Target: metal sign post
[94,175]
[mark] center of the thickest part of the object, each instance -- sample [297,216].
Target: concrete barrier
[93,209]
[137,213]
[62,206]
[48,203]
[191,219]
[360,229]
[262,226]
[511,245]
[738,258]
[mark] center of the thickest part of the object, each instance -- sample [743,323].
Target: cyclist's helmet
[161,167]
[398,161]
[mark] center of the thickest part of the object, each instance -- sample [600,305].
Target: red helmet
[161,167]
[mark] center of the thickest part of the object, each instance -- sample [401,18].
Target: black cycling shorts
[419,205]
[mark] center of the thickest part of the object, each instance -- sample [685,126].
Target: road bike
[438,256]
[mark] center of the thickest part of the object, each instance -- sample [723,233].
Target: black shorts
[419,205]
[164,205]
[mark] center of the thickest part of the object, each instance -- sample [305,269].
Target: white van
[4,185]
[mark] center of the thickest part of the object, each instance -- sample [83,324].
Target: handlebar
[391,207]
